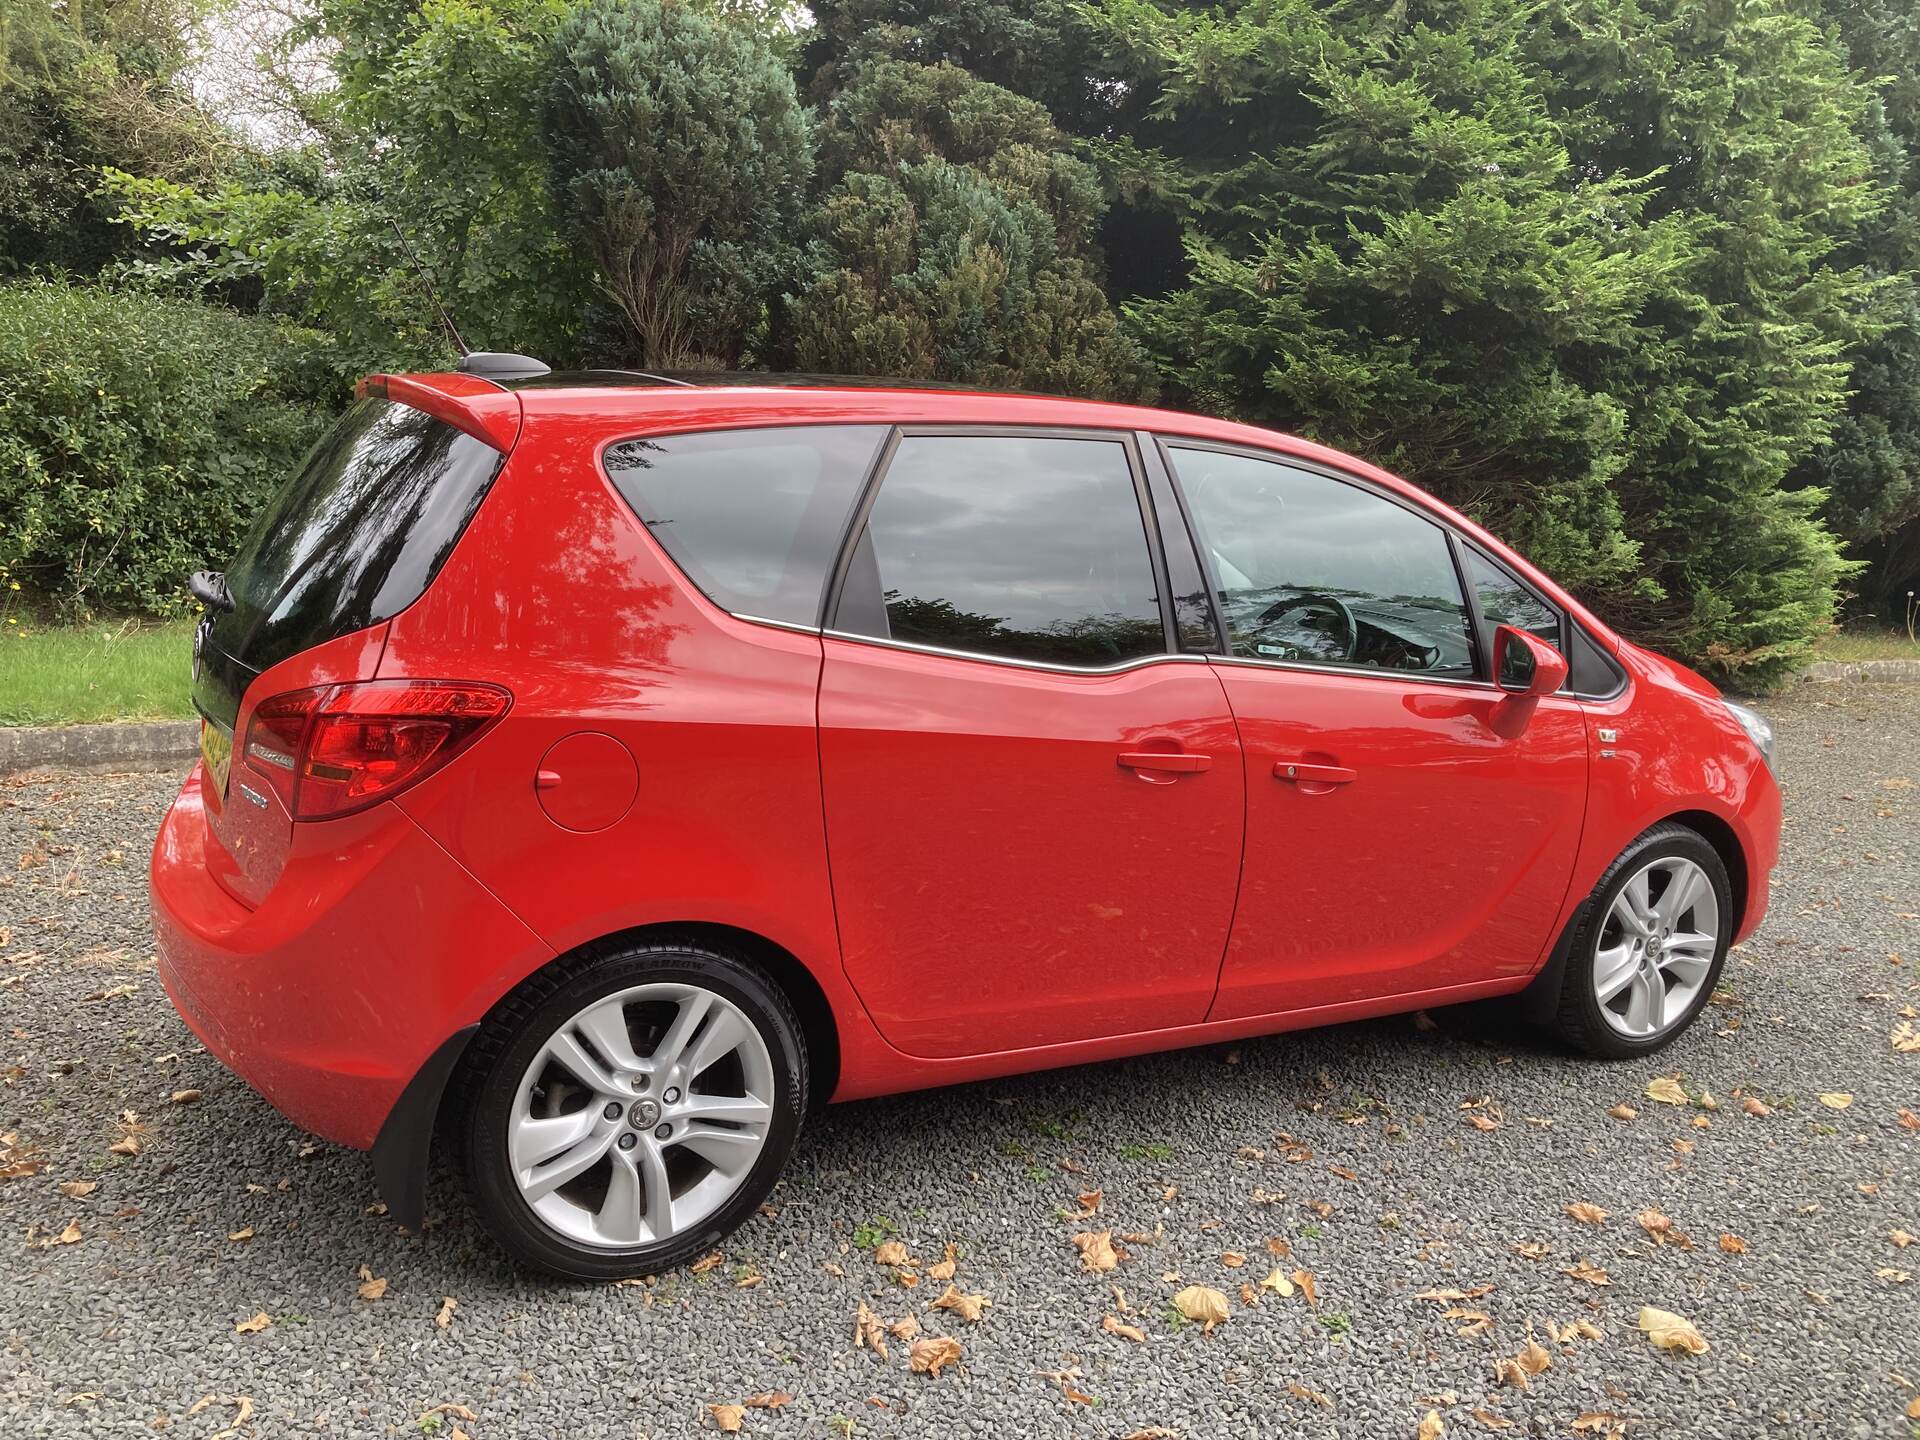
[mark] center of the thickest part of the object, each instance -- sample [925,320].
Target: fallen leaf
[1586,1213]
[447,1306]
[1836,1099]
[1491,1421]
[1590,1330]
[943,1268]
[1480,1122]
[1669,1331]
[1202,1303]
[253,1325]
[932,1355]
[1115,1326]
[1624,1112]
[1908,1120]
[1900,1238]
[1588,1271]
[772,1400]
[1232,1259]
[1278,1247]
[243,1412]
[1757,1107]
[1277,1283]
[244,1233]
[1097,1252]
[1905,1038]
[1532,1250]
[77,1189]
[1450,1296]
[372,1286]
[707,1262]
[1733,1244]
[69,1236]
[1301,1392]
[1666,1090]
[1089,1201]
[892,1252]
[1534,1359]
[1511,1373]
[1432,1427]
[728,1417]
[967,1307]
[1898,1277]
[905,1328]
[185,1097]
[1304,1280]
[867,1331]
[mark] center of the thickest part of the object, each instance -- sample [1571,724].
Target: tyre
[1647,947]
[625,1109]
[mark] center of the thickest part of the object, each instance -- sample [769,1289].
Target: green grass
[111,670]
[1867,645]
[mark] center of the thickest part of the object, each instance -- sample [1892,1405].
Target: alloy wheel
[1656,947]
[641,1116]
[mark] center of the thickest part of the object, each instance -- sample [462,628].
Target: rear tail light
[336,749]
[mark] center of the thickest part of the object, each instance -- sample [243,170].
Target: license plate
[216,753]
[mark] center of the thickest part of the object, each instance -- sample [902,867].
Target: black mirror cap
[500,365]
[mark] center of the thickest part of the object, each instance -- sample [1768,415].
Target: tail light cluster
[336,749]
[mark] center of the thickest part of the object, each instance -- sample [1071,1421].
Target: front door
[1406,832]
[1034,811]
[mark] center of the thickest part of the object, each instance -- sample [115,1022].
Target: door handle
[1295,772]
[1160,760]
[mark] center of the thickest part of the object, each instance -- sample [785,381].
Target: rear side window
[358,533]
[1316,571]
[1028,547]
[753,517]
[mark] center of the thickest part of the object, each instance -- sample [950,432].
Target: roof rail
[500,365]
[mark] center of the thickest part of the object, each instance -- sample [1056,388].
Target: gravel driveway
[1357,1153]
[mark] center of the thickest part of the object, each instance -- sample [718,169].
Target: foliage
[681,154]
[955,239]
[138,438]
[1573,266]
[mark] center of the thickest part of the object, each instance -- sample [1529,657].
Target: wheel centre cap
[643,1114]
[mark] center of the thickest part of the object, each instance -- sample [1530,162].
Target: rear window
[753,517]
[358,533]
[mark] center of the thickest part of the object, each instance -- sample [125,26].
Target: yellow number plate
[216,753]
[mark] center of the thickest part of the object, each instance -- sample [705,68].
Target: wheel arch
[1726,844]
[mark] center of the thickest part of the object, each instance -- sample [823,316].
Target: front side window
[1317,571]
[1028,547]
[1505,601]
[753,517]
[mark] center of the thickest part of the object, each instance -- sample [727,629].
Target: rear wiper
[209,587]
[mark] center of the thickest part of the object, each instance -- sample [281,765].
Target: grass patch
[110,670]
[1867,645]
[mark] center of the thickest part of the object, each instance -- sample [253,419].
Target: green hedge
[139,435]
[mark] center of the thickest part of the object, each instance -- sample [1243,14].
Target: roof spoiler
[469,403]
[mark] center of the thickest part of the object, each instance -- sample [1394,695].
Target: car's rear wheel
[624,1110]
[1649,946]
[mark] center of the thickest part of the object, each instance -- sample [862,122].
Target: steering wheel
[1318,619]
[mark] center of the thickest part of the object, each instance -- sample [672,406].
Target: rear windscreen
[357,534]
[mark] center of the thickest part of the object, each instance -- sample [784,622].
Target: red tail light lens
[331,751]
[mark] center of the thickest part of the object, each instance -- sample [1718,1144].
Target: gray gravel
[1812,1333]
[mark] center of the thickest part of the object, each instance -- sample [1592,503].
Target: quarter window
[1317,571]
[1029,547]
[754,517]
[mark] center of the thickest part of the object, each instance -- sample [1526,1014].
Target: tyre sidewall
[490,1103]
[1580,1009]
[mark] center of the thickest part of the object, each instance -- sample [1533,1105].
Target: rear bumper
[371,950]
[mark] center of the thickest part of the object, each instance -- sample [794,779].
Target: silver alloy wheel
[641,1116]
[1656,947]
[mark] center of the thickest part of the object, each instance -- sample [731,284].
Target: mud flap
[400,1150]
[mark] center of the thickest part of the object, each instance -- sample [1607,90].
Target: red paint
[984,868]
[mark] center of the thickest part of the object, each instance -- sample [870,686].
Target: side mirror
[1524,664]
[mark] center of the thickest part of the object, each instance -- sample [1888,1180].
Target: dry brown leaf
[1836,1099]
[1624,1112]
[1304,1279]
[1203,1304]
[1733,1245]
[77,1189]
[943,1268]
[69,1236]
[1532,1250]
[1511,1373]
[1588,1271]
[244,1233]
[1278,1247]
[1478,1322]
[1900,1238]
[253,1325]
[891,1252]
[1491,1421]
[242,1406]
[1669,1331]
[1432,1427]
[1666,1090]
[1913,1408]
[1756,1107]
[1097,1250]
[1089,1201]
[707,1262]
[907,1327]
[867,1331]
[772,1400]
[728,1418]
[1905,1038]
[1908,1120]
[1587,1214]
[1590,1330]
[1278,1283]
[932,1355]
[1481,1122]
[1113,1325]
[967,1307]
[1534,1359]
[444,1317]
[1599,1422]
[372,1287]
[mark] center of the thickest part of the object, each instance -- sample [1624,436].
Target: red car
[609,768]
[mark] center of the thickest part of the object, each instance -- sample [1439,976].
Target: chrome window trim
[913,647]
[792,625]
[1362,672]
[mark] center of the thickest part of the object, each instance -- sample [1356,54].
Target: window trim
[1168,443]
[1128,442]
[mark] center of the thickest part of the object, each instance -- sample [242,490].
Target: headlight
[1758,730]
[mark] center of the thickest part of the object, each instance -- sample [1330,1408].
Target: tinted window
[1314,570]
[754,517]
[1505,601]
[357,534]
[1007,545]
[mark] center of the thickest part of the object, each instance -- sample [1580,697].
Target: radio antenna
[432,294]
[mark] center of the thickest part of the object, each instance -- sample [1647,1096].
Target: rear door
[1033,802]
[354,537]
[1404,834]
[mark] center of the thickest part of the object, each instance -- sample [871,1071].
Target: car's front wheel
[1648,947]
[624,1110]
